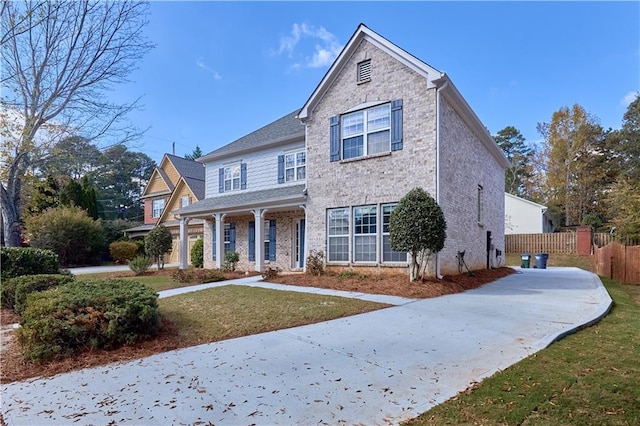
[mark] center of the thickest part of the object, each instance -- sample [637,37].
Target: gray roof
[283,129]
[244,199]
[187,168]
[197,186]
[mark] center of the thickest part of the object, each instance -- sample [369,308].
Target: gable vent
[364,71]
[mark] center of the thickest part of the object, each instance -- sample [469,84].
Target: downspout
[438,89]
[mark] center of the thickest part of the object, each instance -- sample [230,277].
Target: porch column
[259,240]
[183,262]
[219,248]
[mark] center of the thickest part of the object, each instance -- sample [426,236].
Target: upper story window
[364,71]
[292,167]
[157,207]
[480,204]
[184,201]
[232,178]
[367,132]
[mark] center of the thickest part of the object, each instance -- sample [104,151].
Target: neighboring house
[525,217]
[327,177]
[174,184]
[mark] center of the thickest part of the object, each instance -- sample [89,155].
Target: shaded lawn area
[590,377]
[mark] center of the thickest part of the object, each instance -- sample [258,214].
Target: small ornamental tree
[417,226]
[157,243]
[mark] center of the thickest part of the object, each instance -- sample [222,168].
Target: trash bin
[525,259]
[541,260]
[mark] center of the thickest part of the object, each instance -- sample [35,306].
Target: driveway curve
[376,368]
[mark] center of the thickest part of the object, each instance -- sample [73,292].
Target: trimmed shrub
[123,251]
[231,259]
[69,232]
[28,284]
[157,243]
[82,315]
[197,254]
[315,263]
[140,264]
[197,276]
[18,261]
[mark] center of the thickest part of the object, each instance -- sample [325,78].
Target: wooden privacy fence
[560,243]
[618,262]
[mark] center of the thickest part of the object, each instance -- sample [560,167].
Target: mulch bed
[15,368]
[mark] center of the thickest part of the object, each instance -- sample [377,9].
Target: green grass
[234,311]
[591,377]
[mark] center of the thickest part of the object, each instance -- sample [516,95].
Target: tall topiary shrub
[157,243]
[417,226]
[197,253]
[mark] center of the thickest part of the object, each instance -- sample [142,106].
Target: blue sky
[221,70]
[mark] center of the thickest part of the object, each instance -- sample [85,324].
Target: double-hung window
[295,166]
[366,132]
[388,254]
[480,204]
[232,178]
[338,235]
[157,206]
[365,225]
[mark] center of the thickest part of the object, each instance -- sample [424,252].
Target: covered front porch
[265,228]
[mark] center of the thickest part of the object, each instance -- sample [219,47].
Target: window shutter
[272,240]
[221,179]
[243,175]
[252,241]
[335,138]
[232,237]
[396,125]
[280,168]
[214,241]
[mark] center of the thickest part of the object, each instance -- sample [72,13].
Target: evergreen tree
[520,155]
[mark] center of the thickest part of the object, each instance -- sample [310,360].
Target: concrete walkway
[376,368]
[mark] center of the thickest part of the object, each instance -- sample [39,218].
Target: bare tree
[58,60]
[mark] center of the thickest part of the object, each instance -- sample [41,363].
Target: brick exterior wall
[377,180]
[465,163]
[285,222]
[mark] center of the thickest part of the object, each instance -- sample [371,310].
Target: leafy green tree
[625,202]
[575,177]
[74,156]
[67,231]
[120,179]
[521,157]
[418,226]
[59,59]
[157,243]
[81,194]
[197,153]
[45,194]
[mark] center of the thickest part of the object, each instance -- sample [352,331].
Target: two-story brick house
[175,183]
[380,123]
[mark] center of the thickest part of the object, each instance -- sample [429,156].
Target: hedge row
[18,261]
[87,314]
[14,292]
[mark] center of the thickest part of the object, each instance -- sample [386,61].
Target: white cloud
[203,66]
[324,52]
[628,98]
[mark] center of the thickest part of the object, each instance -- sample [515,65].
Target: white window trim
[296,166]
[155,212]
[183,199]
[375,235]
[232,179]
[347,235]
[384,234]
[365,132]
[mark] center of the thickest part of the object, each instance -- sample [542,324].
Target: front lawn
[590,377]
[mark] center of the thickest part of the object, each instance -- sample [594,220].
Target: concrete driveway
[376,368]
